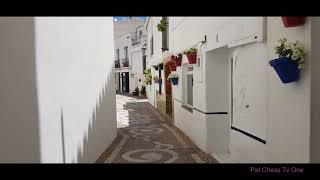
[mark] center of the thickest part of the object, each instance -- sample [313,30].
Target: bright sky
[121,18]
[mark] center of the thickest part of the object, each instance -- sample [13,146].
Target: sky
[120,18]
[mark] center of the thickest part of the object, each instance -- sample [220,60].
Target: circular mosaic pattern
[150,155]
[139,122]
[146,130]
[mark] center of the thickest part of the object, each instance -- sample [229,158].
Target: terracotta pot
[177,60]
[293,21]
[192,58]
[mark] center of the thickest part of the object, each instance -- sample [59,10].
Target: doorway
[125,82]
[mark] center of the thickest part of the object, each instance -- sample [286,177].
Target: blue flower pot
[287,70]
[159,81]
[174,81]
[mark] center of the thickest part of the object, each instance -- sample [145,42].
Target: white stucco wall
[74,57]
[276,113]
[56,72]
[315,89]
[288,105]
[19,125]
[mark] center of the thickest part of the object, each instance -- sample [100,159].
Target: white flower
[172,75]
[294,57]
[300,66]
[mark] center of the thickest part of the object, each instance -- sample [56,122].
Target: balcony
[125,62]
[117,63]
[137,39]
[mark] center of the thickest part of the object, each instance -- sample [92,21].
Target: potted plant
[143,91]
[136,92]
[192,55]
[172,65]
[162,25]
[293,21]
[173,77]
[290,61]
[177,59]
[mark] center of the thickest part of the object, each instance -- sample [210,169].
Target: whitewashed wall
[288,105]
[56,72]
[75,58]
[276,113]
[315,89]
[19,124]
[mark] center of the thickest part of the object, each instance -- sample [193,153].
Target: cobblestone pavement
[143,137]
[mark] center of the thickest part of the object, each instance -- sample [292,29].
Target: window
[151,46]
[126,53]
[190,89]
[118,54]
[187,87]
[140,34]
[144,63]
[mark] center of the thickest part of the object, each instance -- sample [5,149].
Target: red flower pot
[172,66]
[192,58]
[293,21]
[177,60]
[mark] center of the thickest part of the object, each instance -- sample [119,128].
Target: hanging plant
[290,61]
[148,76]
[172,65]
[162,25]
[177,59]
[173,77]
[192,55]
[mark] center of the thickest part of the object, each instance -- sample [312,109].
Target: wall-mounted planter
[293,21]
[159,81]
[177,59]
[192,58]
[286,69]
[174,81]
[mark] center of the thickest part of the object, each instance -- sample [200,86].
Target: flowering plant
[172,76]
[294,51]
[191,50]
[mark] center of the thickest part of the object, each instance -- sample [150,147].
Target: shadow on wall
[19,124]
[102,127]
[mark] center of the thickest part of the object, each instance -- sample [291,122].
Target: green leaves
[191,50]
[162,25]
[172,76]
[294,51]
[148,76]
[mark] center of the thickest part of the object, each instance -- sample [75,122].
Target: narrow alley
[145,137]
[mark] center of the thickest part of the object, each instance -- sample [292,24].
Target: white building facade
[58,100]
[129,59]
[231,103]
